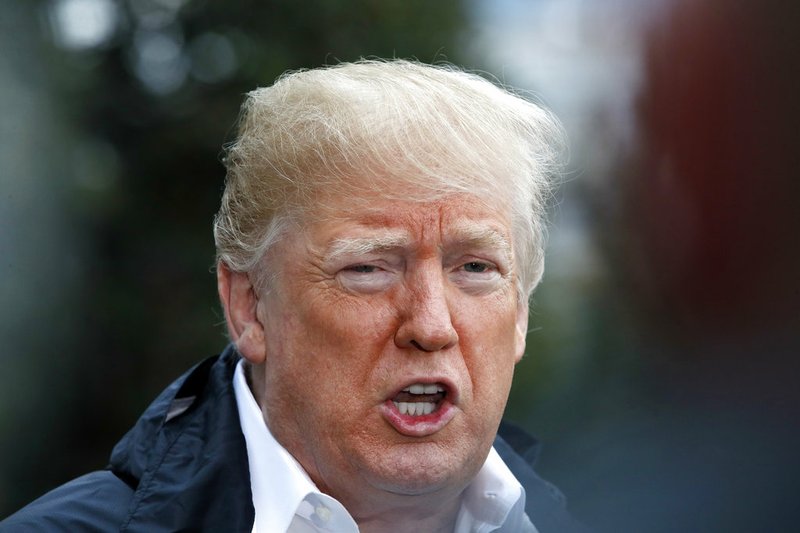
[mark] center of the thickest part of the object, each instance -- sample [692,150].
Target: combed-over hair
[355,128]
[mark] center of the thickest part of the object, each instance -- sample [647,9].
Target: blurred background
[662,373]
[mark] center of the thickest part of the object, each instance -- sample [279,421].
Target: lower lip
[418,426]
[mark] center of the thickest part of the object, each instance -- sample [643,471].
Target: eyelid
[383,263]
[493,259]
[372,281]
[357,266]
[488,264]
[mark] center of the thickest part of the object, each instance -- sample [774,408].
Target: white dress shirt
[286,500]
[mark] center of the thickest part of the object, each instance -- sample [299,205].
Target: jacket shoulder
[183,466]
[97,501]
[187,457]
[132,453]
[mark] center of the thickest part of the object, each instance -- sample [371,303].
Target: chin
[421,468]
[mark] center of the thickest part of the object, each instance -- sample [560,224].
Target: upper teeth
[420,388]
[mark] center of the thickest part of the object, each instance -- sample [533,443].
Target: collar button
[322,513]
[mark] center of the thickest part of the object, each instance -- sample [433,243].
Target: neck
[412,516]
[377,510]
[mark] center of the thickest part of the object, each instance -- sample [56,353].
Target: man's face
[391,336]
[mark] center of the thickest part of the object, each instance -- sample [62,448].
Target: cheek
[330,348]
[488,342]
[348,328]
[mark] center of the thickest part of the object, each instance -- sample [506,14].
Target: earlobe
[240,304]
[521,330]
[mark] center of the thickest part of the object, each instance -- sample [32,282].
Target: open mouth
[421,409]
[420,399]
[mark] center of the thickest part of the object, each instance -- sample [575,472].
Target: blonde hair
[359,127]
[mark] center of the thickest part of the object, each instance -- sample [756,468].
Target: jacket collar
[186,455]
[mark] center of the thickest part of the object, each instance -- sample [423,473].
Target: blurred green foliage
[142,110]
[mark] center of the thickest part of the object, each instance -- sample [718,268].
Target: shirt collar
[283,491]
[281,488]
[494,501]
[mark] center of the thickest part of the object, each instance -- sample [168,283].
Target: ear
[240,303]
[521,330]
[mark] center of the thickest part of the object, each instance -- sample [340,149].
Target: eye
[365,278]
[477,277]
[362,269]
[476,267]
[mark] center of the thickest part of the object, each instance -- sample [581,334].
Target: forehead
[451,220]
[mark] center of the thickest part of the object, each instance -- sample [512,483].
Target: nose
[426,323]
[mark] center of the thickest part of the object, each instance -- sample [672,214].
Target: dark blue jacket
[183,467]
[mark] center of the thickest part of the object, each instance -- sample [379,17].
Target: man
[379,237]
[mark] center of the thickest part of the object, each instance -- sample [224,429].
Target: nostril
[417,333]
[433,346]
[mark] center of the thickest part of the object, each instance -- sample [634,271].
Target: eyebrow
[462,236]
[480,236]
[366,245]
